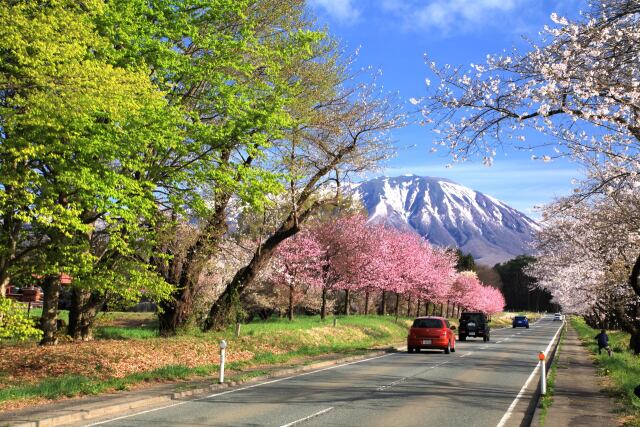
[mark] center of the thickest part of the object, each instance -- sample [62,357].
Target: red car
[431,333]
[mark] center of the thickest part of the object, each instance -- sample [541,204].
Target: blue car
[521,322]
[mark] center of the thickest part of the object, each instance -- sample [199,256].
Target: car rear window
[478,318]
[520,318]
[427,323]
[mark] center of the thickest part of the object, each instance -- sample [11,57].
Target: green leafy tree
[79,134]
[465,261]
[518,288]
[228,66]
[14,324]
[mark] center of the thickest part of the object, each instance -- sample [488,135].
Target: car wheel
[462,338]
[485,338]
[453,349]
[514,326]
[448,349]
[527,326]
[409,349]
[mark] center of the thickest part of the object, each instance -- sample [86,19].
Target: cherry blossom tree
[353,258]
[471,294]
[298,266]
[587,255]
[348,254]
[580,87]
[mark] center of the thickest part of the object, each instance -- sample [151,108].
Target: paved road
[474,386]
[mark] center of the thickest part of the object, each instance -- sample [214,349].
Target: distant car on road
[557,316]
[431,333]
[474,324]
[520,322]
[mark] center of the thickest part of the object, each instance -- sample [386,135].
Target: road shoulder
[578,399]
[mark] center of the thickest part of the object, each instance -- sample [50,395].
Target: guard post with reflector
[543,374]
[223,346]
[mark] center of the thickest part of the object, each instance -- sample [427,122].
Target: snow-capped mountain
[450,215]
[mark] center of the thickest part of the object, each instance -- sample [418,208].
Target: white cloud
[450,16]
[342,10]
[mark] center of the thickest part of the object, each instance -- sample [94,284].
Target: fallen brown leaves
[107,358]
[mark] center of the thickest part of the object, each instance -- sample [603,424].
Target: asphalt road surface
[475,386]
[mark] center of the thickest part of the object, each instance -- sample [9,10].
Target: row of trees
[580,89]
[130,129]
[520,289]
[346,254]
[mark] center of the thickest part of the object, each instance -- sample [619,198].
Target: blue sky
[394,36]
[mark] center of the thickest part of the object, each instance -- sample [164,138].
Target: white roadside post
[543,374]
[223,346]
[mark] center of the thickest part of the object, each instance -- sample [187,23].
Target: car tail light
[443,333]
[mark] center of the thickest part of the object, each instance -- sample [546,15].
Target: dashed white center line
[292,423]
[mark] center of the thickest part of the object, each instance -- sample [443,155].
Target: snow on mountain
[450,215]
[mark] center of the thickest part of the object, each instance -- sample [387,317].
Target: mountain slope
[449,214]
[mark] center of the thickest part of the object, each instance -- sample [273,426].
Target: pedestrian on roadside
[603,342]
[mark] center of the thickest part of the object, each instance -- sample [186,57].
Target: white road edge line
[292,423]
[507,414]
[235,390]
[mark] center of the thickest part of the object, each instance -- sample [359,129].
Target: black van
[473,324]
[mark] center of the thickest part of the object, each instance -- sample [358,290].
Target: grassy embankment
[127,352]
[622,370]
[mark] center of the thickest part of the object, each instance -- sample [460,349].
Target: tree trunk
[397,304]
[290,310]
[4,282]
[418,308]
[634,342]
[366,303]
[84,308]
[11,229]
[323,309]
[51,288]
[383,304]
[175,312]
[408,306]
[184,272]
[441,308]
[346,302]
[634,328]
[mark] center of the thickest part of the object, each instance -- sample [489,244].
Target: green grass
[622,369]
[74,385]
[547,400]
[124,333]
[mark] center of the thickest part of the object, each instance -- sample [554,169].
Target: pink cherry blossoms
[348,255]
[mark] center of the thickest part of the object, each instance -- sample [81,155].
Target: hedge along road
[475,386]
